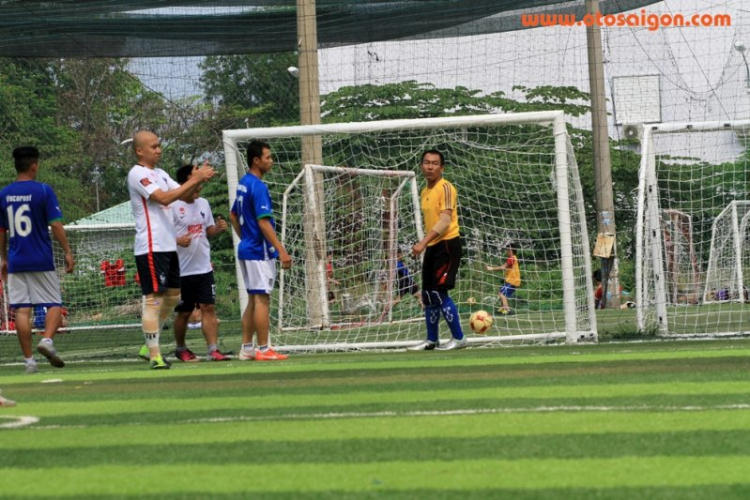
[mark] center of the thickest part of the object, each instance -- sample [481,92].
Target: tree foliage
[251,90]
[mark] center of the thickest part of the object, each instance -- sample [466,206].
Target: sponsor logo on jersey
[145,182]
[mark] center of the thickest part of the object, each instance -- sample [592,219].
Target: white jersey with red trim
[193,219]
[154,229]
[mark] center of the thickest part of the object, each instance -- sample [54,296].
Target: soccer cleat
[453,344]
[159,363]
[269,355]
[5,402]
[187,356]
[32,368]
[143,353]
[50,353]
[217,356]
[426,345]
[246,355]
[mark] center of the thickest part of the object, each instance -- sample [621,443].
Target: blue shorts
[508,290]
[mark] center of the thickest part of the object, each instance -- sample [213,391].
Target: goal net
[691,228]
[728,262]
[349,215]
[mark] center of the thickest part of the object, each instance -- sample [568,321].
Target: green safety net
[149,28]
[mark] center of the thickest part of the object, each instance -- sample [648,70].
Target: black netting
[147,28]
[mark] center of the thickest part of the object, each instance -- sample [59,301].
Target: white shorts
[34,289]
[259,275]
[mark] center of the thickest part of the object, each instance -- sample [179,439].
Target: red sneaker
[269,355]
[187,356]
[217,356]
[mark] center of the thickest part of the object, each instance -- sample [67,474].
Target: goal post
[728,258]
[381,191]
[517,181]
[691,225]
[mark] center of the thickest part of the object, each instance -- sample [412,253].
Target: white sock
[30,361]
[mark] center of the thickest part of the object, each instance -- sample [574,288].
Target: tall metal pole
[309,80]
[312,154]
[605,207]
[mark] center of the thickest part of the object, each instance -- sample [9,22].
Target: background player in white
[252,220]
[151,193]
[27,209]
[194,224]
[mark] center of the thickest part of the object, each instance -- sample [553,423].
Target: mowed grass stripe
[724,492]
[273,400]
[412,361]
[203,478]
[386,381]
[307,432]
[565,446]
[331,409]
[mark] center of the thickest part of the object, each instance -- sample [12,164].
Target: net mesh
[701,174]
[507,186]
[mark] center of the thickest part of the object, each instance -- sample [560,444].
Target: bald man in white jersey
[152,190]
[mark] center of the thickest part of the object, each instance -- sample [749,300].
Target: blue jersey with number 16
[26,210]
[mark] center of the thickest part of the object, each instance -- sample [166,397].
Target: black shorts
[440,266]
[195,290]
[158,271]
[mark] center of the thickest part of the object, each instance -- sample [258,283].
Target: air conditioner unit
[632,132]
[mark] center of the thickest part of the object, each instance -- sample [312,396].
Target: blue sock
[432,318]
[450,313]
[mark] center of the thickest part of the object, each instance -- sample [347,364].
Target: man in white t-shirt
[194,224]
[151,193]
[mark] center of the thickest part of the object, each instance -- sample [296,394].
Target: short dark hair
[597,275]
[25,157]
[433,152]
[183,173]
[255,150]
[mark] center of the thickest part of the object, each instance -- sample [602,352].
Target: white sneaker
[426,345]
[453,344]
[32,368]
[246,355]
[6,403]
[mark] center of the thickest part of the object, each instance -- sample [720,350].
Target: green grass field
[637,420]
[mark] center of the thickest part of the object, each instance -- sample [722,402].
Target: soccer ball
[480,322]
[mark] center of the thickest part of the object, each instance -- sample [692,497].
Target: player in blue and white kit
[194,224]
[27,209]
[151,193]
[252,220]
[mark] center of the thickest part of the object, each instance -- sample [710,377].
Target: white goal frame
[650,245]
[562,151]
[739,228]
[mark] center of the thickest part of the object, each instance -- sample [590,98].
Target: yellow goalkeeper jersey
[442,196]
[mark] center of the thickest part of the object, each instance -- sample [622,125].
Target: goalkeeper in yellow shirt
[442,247]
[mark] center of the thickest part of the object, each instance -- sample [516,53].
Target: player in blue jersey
[27,209]
[252,220]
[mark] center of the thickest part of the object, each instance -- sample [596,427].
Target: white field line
[17,421]
[432,413]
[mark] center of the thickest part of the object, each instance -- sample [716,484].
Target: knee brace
[169,301]
[150,320]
